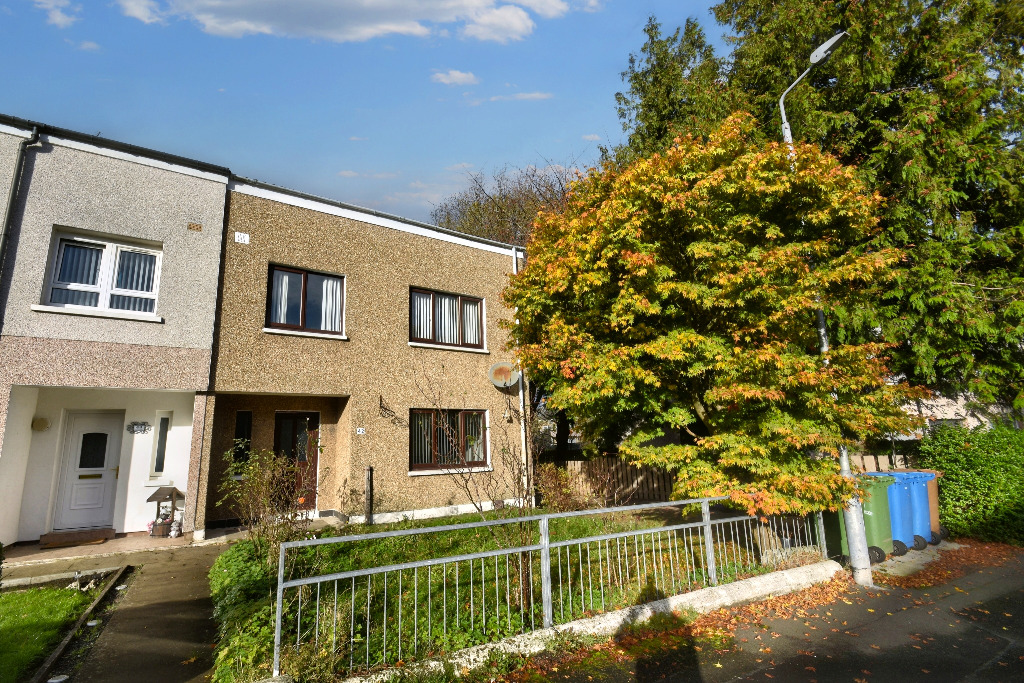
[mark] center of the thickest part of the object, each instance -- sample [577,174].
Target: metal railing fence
[366,617]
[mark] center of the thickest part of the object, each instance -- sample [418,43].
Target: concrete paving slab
[163,631]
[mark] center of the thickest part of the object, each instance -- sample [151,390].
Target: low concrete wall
[703,600]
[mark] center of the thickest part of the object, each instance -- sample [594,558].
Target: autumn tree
[502,207]
[924,99]
[678,295]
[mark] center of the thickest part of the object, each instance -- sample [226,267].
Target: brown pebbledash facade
[359,387]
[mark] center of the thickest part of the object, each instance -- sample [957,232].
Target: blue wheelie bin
[920,508]
[900,512]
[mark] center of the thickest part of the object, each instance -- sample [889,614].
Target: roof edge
[67,134]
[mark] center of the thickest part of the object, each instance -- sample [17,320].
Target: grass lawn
[32,622]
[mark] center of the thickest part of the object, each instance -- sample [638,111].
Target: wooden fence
[615,482]
[611,481]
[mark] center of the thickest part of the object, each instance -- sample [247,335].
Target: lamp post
[853,515]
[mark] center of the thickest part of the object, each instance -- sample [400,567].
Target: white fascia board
[11,130]
[364,217]
[134,158]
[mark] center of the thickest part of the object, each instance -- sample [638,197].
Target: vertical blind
[446,438]
[80,265]
[422,323]
[128,284]
[445,319]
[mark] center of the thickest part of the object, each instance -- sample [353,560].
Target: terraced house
[108,292]
[156,309]
[353,339]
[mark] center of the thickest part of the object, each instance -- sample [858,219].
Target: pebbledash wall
[364,382]
[56,362]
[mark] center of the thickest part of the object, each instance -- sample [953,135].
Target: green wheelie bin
[877,525]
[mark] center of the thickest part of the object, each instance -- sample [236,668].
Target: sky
[386,104]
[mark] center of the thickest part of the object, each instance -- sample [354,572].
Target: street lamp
[853,515]
[819,56]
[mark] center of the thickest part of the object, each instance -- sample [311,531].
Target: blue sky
[382,103]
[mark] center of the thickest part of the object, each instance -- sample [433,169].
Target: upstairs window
[104,275]
[445,319]
[305,301]
[446,439]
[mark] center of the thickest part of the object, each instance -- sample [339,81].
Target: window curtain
[446,309]
[421,321]
[330,305]
[471,323]
[286,298]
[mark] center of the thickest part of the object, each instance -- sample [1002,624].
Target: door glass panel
[94,451]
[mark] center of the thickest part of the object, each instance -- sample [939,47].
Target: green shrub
[981,494]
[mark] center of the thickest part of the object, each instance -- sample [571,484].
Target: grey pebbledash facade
[146,320]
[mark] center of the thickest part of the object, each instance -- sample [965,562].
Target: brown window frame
[301,327]
[433,319]
[435,465]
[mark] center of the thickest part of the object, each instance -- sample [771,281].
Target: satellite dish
[503,375]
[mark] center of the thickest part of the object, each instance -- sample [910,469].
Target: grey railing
[366,617]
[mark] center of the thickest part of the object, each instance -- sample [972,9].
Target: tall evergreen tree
[925,100]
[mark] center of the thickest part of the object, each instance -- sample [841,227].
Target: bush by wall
[982,492]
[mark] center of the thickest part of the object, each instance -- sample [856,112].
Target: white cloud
[351,20]
[56,14]
[591,137]
[549,9]
[523,96]
[500,24]
[356,138]
[88,46]
[387,175]
[455,77]
[143,10]
[459,167]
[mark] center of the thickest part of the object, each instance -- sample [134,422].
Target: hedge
[981,494]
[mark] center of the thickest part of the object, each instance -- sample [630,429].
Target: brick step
[63,539]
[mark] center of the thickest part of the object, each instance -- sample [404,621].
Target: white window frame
[112,249]
[153,474]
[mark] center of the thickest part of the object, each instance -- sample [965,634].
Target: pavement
[163,629]
[969,629]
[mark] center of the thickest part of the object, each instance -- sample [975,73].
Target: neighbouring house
[109,266]
[353,339]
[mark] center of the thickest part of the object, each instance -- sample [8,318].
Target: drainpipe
[522,399]
[12,198]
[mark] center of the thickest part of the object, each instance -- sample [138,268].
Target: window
[106,275]
[163,426]
[441,439]
[302,300]
[446,319]
[243,436]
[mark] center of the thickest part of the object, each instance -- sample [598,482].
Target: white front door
[92,452]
